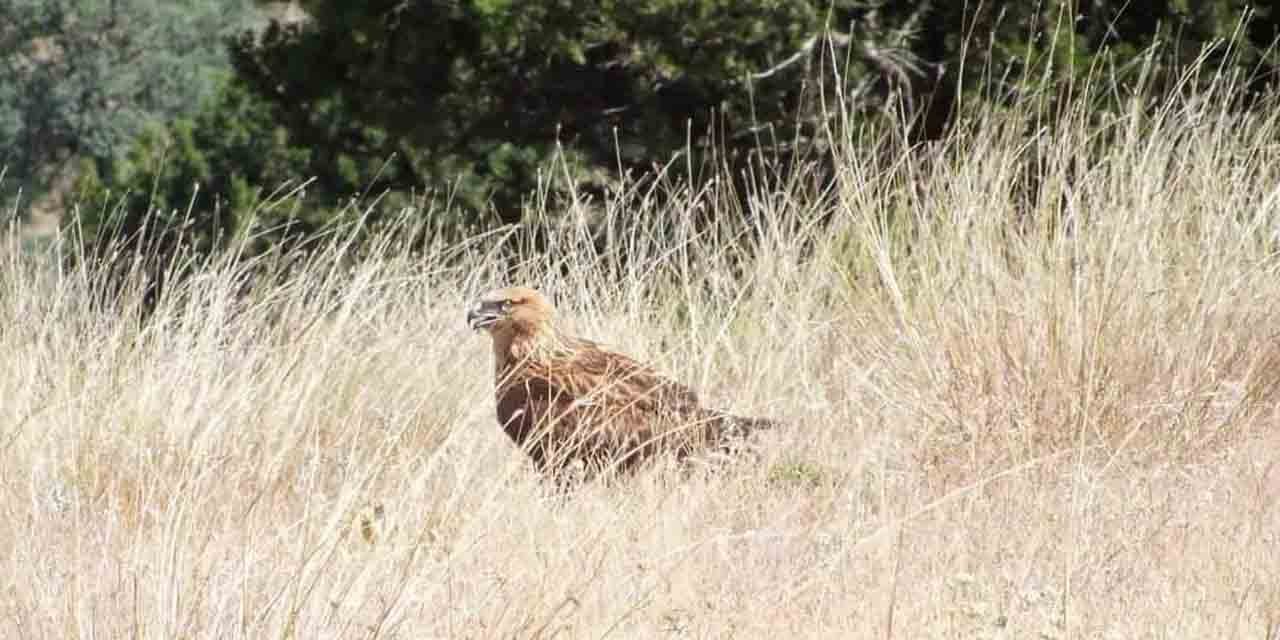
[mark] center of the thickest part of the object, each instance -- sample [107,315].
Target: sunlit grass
[1029,382]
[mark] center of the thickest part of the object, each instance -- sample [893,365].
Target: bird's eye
[506,305]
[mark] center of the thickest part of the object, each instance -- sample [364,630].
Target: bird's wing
[593,374]
[596,403]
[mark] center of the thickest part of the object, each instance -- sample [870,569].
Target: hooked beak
[481,316]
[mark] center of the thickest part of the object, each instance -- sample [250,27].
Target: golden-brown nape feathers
[571,402]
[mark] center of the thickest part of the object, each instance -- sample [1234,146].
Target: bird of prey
[571,403]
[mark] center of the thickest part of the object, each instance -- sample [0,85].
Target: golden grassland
[1029,376]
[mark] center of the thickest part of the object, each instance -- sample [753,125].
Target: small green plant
[799,473]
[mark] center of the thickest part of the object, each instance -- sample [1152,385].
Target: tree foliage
[480,93]
[473,98]
[83,79]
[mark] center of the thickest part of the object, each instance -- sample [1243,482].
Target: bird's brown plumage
[566,400]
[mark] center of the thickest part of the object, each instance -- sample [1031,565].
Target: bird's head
[509,311]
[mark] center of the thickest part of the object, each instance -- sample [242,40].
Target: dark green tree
[473,98]
[480,93]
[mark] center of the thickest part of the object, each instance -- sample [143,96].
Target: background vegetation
[82,80]
[190,114]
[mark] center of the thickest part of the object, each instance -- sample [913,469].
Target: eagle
[570,403]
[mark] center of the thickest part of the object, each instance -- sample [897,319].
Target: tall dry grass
[1029,377]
